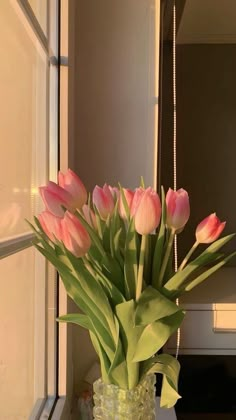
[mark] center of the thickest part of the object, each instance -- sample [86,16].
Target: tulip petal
[75,237]
[55,198]
[73,184]
[178,209]
[103,200]
[209,229]
[148,212]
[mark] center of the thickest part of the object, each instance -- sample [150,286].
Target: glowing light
[16,190]
[34,190]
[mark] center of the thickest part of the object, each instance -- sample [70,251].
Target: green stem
[167,256]
[140,266]
[190,252]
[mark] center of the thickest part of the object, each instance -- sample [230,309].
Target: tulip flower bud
[177,209]
[55,197]
[89,216]
[114,192]
[51,225]
[103,200]
[209,229]
[146,210]
[74,236]
[129,197]
[72,183]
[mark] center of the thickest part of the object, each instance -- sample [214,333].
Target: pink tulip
[114,192]
[51,225]
[89,216]
[103,200]
[55,197]
[136,199]
[146,210]
[129,198]
[74,236]
[72,183]
[209,229]
[177,209]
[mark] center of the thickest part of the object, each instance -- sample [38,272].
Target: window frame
[45,333]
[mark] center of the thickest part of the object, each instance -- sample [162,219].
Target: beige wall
[114,91]
[115,84]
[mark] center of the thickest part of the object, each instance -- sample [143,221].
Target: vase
[114,403]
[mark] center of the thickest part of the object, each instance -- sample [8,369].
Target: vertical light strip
[174,124]
[63,300]
[156,93]
[175,152]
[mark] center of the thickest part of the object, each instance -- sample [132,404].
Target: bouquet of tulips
[113,251]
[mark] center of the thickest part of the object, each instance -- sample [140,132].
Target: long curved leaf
[169,367]
[208,256]
[118,369]
[207,273]
[155,335]
[104,362]
[78,319]
[129,336]
[153,306]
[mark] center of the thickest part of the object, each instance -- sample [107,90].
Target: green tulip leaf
[147,270]
[129,333]
[118,370]
[207,273]
[112,270]
[93,235]
[94,292]
[131,262]
[169,367]
[116,246]
[158,253]
[113,293]
[124,202]
[153,306]
[129,336]
[75,291]
[104,361]
[155,335]
[78,319]
[169,395]
[84,290]
[208,256]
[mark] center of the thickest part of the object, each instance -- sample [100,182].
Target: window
[28,144]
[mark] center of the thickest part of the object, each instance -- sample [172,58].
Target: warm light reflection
[9,217]
[34,191]
[16,190]
[224,317]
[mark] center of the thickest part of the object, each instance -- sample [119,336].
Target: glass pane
[40,8]
[17,335]
[23,123]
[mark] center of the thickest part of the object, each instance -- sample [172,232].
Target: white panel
[198,336]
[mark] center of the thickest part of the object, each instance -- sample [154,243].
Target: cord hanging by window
[175,152]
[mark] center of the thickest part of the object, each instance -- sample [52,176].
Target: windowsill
[61,411]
